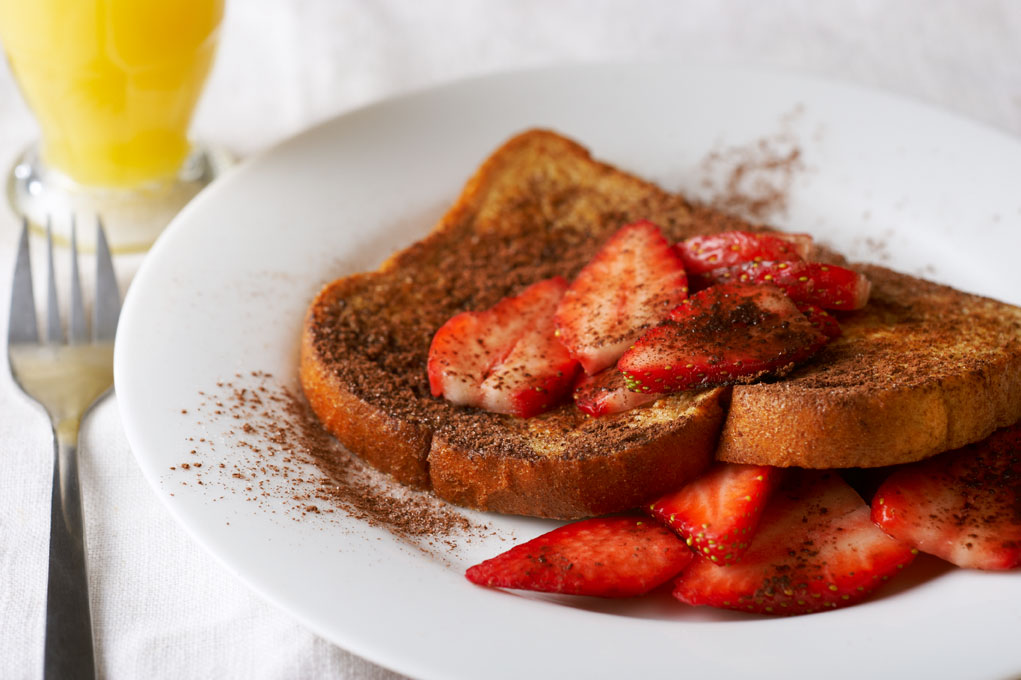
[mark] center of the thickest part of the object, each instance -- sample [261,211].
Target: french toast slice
[540,206]
[922,369]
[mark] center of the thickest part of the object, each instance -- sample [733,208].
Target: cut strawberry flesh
[505,359]
[825,285]
[823,321]
[803,244]
[718,512]
[816,548]
[534,377]
[712,251]
[630,285]
[963,506]
[722,335]
[606,392]
[618,556]
[467,346]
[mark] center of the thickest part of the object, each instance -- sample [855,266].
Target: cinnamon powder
[278,456]
[753,181]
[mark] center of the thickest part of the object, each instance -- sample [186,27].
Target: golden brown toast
[922,369]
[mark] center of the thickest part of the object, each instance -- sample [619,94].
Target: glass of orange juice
[113,85]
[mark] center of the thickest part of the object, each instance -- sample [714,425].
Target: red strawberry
[631,284]
[963,506]
[803,244]
[724,334]
[505,359]
[712,251]
[816,548]
[825,285]
[822,320]
[605,392]
[718,512]
[605,557]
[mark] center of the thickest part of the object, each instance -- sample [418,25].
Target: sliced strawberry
[816,548]
[536,375]
[825,285]
[804,245]
[963,506]
[825,322]
[605,393]
[631,284]
[617,556]
[467,346]
[712,251]
[724,334]
[505,359]
[718,512]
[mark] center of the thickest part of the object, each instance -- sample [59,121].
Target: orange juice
[112,83]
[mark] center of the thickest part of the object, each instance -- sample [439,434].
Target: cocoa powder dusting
[278,455]
[753,181]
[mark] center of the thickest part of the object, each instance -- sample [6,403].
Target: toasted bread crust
[568,486]
[922,369]
[385,441]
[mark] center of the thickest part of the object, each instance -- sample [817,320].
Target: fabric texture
[163,608]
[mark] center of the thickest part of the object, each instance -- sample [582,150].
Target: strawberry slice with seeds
[824,322]
[963,506]
[725,334]
[606,392]
[505,359]
[718,512]
[619,556]
[825,285]
[630,285]
[816,548]
[712,251]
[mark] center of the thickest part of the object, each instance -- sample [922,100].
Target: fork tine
[77,330]
[54,333]
[22,323]
[107,305]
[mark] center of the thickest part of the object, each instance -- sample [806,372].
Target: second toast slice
[922,369]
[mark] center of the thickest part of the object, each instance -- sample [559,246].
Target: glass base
[132,218]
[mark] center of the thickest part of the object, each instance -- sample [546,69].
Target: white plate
[225,288]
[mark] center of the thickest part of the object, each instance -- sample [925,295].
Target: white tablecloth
[165,609]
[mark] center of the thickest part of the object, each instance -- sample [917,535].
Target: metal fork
[65,377]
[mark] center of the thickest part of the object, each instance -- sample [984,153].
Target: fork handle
[68,647]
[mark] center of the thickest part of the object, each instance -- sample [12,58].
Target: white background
[163,608]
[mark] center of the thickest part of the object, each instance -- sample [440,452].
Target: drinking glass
[113,85]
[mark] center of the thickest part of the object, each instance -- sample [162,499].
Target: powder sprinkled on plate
[277,455]
[754,180]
